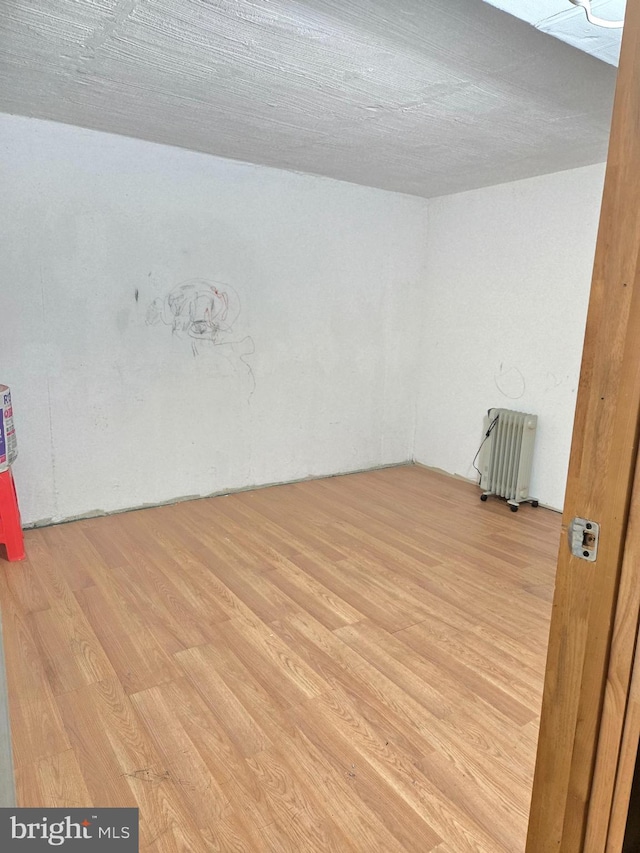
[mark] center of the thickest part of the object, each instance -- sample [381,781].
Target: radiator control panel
[583,538]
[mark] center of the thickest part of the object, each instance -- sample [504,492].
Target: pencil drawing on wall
[204,313]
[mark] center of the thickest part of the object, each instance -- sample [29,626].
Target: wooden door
[619,727]
[623,831]
[576,726]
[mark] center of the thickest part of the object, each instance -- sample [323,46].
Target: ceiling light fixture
[599,22]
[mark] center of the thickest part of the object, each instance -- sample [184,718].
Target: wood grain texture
[627,770]
[601,469]
[352,665]
[610,757]
[632,832]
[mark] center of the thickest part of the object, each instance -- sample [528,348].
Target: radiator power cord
[486,436]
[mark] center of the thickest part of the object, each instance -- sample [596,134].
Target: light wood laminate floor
[349,664]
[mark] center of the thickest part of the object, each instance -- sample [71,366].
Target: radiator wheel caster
[483,497]
[513,508]
[534,504]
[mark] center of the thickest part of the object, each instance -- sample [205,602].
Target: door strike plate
[583,538]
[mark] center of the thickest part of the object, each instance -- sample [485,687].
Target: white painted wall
[376,339]
[508,276]
[112,412]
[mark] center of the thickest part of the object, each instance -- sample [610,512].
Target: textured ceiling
[422,96]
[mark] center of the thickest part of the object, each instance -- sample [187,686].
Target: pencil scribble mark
[197,308]
[510,382]
[552,382]
[205,312]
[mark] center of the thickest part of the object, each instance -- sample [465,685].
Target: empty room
[320,392]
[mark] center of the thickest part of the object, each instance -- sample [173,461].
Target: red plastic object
[10,527]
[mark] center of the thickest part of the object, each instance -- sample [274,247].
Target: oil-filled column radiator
[506,456]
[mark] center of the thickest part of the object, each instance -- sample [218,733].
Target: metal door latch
[583,538]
